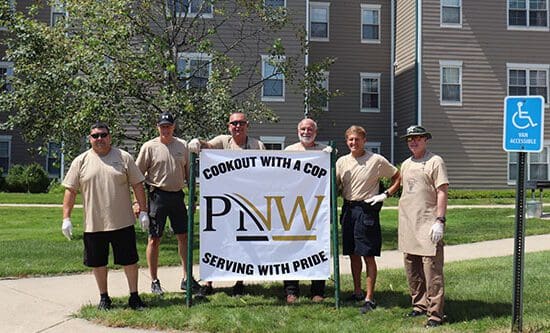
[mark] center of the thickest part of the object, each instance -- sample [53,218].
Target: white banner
[264,215]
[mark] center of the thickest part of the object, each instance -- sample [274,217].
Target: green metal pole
[190,223]
[334,222]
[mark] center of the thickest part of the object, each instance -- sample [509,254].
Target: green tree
[120,61]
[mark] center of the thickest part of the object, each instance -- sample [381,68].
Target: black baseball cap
[166,118]
[416,130]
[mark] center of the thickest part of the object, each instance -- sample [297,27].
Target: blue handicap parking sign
[523,124]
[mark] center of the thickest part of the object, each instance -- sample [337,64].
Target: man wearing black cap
[422,209]
[164,161]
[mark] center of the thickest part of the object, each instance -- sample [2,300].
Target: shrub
[36,178]
[56,187]
[15,181]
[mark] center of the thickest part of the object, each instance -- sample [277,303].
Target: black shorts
[123,241]
[163,204]
[361,234]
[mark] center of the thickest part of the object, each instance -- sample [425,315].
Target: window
[537,165]
[370,92]
[370,23]
[58,12]
[528,14]
[6,71]
[194,70]
[318,21]
[53,160]
[451,82]
[5,152]
[273,142]
[273,88]
[527,80]
[202,8]
[373,147]
[275,3]
[451,13]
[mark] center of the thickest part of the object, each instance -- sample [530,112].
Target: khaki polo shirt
[225,141]
[298,146]
[104,182]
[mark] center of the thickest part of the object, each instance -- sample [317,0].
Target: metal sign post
[523,132]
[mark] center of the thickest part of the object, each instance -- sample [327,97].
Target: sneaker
[136,303]
[194,285]
[105,303]
[238,289]
[433,323]
[415,313]
[290,298]
[156,288]
[357,297]
[368,306]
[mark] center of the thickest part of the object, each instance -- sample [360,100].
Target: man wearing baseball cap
[164,161]
[422,209]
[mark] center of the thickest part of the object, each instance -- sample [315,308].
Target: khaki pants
[426,284]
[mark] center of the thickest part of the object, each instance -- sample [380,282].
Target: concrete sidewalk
[46,304]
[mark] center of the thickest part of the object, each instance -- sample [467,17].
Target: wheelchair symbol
[524,116]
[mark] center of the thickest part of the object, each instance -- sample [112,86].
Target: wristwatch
[441,219]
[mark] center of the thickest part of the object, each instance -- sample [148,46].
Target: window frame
[57,10]
[49,157]
[189,56]
[8,66]
[6,139]
[269,98]
[526,26]
[189,13]
[273,140]
[445,64]
[283,6]
[319,5]
[510,181]
[374,147]
[452,24]
[528,68]
[365,75]
[377,8]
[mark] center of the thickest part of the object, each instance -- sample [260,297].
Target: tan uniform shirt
[298,146]
[358,178]
[104,182]
[164,166]
[418,203]
[225,141]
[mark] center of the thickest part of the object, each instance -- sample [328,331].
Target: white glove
[194,146]
[327,149]
[376,199]
[436,232]
[67,228]
[144,220]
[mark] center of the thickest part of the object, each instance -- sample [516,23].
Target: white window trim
[510,181]
[57,8]
[379,9]
[528,67]
[323,5]
[196,56]
[450,25]
[7,138]
[273,98]
[274,140]
[284,5]
[450,64]
[369,76]
[373,144]
[190,14]
[526,27]
[9,68]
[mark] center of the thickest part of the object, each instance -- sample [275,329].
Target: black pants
[292,287]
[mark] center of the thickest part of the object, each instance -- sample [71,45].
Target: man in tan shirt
[422,209]
[104,174]
[164,161]
[358,176]
[238,140]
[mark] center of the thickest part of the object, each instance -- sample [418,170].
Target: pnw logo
[254,224]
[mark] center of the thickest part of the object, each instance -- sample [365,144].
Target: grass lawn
[30,235]
[478,299]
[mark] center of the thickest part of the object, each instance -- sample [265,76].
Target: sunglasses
[414,138]
[99,135]
[237,122]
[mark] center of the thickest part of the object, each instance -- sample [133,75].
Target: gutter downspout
[392,83]
[418,62]
[306,59]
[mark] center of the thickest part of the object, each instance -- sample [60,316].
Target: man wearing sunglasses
[103,175]
[164,161]
[422,209]
[237,140]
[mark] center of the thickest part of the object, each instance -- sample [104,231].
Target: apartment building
[445,64]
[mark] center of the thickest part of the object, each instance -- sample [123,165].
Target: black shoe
[195,286]
[357,297]
[156,288]
[433,323]
[207,290]
[415,313]
[105,303]
[136,303]
[238,289]
[368,306]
